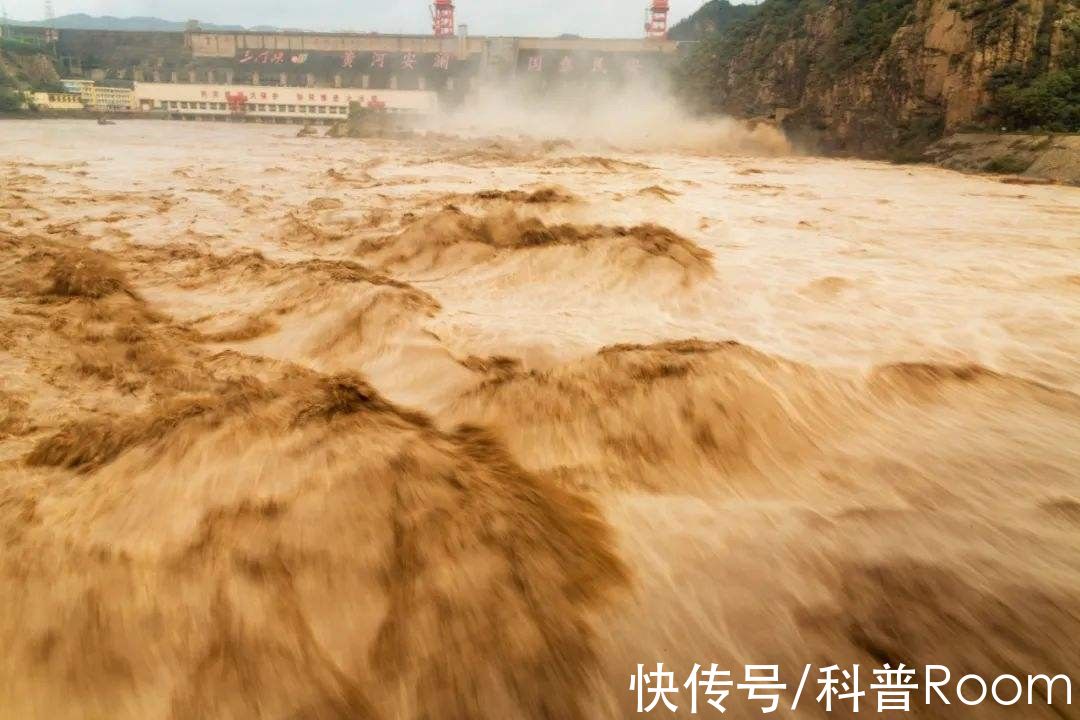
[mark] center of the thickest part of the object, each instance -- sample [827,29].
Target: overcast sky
[600,18]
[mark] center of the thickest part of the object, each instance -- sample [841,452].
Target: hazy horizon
[602,18]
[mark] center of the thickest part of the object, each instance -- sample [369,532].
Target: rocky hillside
[715,16]
[23,68]
[886,77]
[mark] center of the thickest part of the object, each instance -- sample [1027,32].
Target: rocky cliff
[885,77]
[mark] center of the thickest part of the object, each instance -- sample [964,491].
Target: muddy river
[456,428]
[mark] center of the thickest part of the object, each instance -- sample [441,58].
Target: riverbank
[1033,157]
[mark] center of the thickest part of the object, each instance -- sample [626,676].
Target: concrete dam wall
[407,62]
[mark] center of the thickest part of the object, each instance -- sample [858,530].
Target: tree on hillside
[9,100]
[713,17]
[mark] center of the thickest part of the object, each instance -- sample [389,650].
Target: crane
[656,19]
[442,18]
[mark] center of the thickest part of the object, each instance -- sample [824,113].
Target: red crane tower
[656,19]
[442,18]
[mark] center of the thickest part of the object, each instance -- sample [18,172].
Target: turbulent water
[446,428]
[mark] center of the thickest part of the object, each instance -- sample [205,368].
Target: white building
[274,104]
[101,98]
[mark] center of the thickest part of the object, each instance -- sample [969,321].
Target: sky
[597,18]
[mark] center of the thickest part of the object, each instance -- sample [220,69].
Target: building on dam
[308,105]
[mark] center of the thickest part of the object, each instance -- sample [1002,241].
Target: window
[292,108]
[202,106]
[322,109]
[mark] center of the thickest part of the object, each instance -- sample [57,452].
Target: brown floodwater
[452,427]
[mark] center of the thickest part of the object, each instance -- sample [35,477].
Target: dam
[443,64]
[448,62]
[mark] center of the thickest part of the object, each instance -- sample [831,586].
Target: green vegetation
[1036,96]
[49,87]
[1007,165]
[9,100]
[867,31]
[1049,101]
[21,46]
[715,16]
[24,66]
[990,18]
[1033,96]
[801,48]
[702,74]
[10,96]
[773,23]
[914,135]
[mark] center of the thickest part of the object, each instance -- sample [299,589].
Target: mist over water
[467,425]
[641,115]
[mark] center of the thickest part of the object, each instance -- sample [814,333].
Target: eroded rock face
[1019,158]
[844,80]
